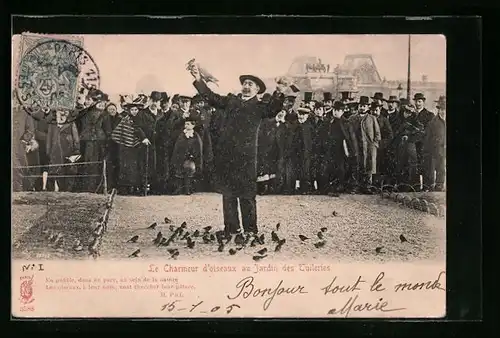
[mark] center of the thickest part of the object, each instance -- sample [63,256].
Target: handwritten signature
[352,304]
[246,289]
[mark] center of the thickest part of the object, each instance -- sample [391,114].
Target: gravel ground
[362,224]
[35,215]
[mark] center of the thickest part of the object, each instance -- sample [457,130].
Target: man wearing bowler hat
[367,132]
[434,148]
[424,116]
[235,161]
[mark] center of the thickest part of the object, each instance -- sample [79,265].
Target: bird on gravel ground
[212,237]
[274,237]
[239,239]
[196,233]
[221,247]
[323,229]
[135,253]
[258,258]
[379,249]
[175,255]
[303,238]
[402,239]
[152,226]
[319,244]
[280,244]
[171,227]
[261,239]
[232,251]
[158,238]
[334,213]
[184,225]
[186,235]
[162,241]
[167,220]
[278,226]
[320,235]
[207,228]
[172,251]
[190,243]
[262,251]
[206,239]
[133,239]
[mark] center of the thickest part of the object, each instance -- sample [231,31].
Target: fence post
[105,178]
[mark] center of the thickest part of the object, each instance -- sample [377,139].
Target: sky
[128,63]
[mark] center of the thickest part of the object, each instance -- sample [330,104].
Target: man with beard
[288,123]
[409,131]
[367,132]
[434,148]
[339,145]
[93,140]
[236,163]
[386,138]
[424,117]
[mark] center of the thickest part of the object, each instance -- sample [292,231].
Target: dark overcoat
[235,160]
[304,146]
[268,148]
[384,165]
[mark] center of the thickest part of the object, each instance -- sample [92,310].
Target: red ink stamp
[26,290]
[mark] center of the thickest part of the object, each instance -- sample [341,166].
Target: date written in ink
[32,267]
[200,307]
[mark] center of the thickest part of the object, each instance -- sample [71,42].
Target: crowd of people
[159,144]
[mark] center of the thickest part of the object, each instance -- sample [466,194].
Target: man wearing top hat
[340,144]
[386,138]
[393,116]
[328,105]
[236,159]
[434,148]
[287,165]
[367,132]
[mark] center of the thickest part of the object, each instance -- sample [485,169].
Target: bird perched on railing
[205,75]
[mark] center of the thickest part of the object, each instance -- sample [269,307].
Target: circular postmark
[54,76]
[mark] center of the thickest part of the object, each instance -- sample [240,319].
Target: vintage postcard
[228,176]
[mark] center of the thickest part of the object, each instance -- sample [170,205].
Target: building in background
[358,74]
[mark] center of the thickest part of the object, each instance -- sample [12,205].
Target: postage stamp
[52,73]
[297,186]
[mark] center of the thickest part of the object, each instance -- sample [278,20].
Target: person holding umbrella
[235,164]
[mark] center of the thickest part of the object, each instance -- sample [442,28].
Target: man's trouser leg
[249,214]
[230,210]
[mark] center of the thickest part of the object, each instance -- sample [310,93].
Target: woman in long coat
[130,152]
